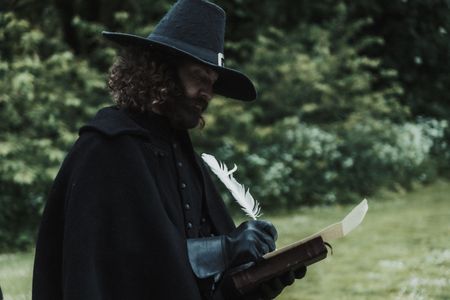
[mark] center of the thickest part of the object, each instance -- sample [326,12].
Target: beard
[184,112]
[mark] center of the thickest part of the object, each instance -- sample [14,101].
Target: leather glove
[274,287]
[267,290]
[247,243]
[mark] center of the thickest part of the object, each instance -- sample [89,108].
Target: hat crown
[195,29]
[195,22]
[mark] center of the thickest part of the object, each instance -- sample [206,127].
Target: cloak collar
[113,121]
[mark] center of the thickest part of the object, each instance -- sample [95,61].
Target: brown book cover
[272,266]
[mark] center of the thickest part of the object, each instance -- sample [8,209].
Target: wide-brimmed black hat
[195,28]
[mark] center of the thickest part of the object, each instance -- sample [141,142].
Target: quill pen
[242,195]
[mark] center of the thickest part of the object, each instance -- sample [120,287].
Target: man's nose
[207,93]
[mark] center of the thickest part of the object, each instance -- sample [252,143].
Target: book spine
[305,254]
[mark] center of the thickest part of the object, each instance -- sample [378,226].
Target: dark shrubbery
[44,98]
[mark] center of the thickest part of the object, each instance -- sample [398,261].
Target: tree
[416,43]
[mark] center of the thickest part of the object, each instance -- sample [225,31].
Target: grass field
[401,251]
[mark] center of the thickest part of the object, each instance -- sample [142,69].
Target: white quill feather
[242,195]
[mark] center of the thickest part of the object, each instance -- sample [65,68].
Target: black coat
[113,227]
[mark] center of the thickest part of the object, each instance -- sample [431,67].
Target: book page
[334,231]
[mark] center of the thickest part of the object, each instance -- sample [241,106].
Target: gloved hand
[248,242]
[267,290]
[272,288]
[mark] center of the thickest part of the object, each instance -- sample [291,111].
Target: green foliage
[318,75]
[44,99]
[416,44]
[321,132]
[300,164]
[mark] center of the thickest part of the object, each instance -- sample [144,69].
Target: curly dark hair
[146,79]
[142,78]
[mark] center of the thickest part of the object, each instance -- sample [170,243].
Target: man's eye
[201,78]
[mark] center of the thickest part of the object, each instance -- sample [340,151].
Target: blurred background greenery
[354,97]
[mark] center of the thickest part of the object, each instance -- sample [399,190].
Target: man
[133,213]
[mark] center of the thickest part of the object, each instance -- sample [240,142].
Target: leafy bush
[320,132]
[45,96]
[301,164]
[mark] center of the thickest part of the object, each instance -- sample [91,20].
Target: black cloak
[110,228]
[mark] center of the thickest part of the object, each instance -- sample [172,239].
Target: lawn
[401,251]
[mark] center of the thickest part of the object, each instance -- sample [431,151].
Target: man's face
[197,80]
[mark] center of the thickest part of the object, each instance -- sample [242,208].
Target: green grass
[15,275]
[401,251]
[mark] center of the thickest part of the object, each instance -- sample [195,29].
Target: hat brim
[231,83]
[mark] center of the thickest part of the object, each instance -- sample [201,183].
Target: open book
[303,252]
